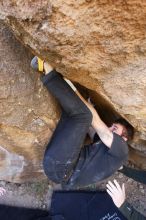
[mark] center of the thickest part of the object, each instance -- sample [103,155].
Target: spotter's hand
[116,192]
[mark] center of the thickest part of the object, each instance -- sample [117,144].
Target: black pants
[63,150]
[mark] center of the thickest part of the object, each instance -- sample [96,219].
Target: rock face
[98,44]
[27,113]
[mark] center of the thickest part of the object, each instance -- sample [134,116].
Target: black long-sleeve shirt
[130,213]
[137,175]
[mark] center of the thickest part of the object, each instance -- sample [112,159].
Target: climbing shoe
[37,64]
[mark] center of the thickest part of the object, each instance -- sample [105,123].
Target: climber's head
[123,128]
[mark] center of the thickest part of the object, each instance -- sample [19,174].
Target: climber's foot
[41,65]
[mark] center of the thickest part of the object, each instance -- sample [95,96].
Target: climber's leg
[63,150]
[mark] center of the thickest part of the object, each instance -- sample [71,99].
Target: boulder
[28,113]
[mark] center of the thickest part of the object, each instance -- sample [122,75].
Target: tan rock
[28,113]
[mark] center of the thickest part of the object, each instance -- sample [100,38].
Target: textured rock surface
[27,113]
[99,44]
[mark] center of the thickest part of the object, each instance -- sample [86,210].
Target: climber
[118,196]
[65,161]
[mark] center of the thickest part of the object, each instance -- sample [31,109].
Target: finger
[110,193]
[123,188]
[118,185]
[113,187]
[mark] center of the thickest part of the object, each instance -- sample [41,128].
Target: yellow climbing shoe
[37,64]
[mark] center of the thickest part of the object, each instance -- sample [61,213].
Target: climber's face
[120,130]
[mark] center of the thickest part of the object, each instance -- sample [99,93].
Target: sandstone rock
[98,44]
[28,113]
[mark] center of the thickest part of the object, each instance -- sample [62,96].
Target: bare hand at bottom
[116,192]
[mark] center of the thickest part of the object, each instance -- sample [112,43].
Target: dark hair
[129,133]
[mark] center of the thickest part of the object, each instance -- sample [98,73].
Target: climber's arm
[98,125]
[91,133]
